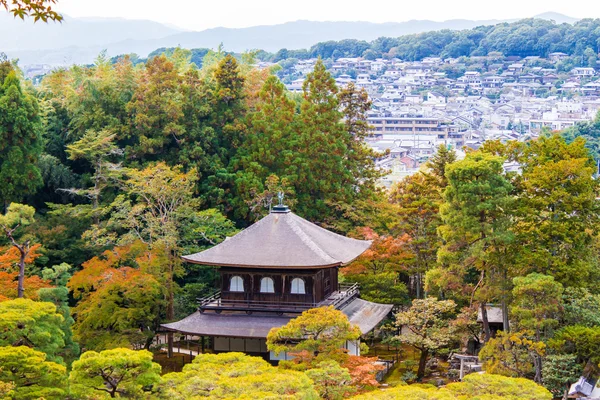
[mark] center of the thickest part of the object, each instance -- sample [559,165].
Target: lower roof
[365,314]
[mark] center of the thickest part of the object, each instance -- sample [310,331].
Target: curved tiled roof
[282,240]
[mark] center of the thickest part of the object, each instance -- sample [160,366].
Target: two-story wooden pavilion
[271,272]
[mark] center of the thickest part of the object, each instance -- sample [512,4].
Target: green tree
[227,123]
[235,376]
[474,386]
[582,341]
[156,109]
[267,150]
[20,141]
[322,330]
[59,296]
[476,222]
[25,322]
[557,210]
[560,371]
[580,307]
[32,376]
[427,321]
[496,387]
[537,303]
[326,173]
[512,354]
[418,198]
[96,148]
[114,373]
[384,287]
[332,382]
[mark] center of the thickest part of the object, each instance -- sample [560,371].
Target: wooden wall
[319,283]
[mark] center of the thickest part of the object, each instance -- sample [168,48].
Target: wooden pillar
[202,341]
[169,344]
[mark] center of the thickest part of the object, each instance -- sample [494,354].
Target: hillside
[80,40]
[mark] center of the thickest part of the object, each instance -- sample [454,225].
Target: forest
[109,173]
[527,37]
[524,38]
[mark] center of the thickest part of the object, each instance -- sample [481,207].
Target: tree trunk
[505,324]
[170,345]
[487,334]
[422,364]
[537,360]
[20,287]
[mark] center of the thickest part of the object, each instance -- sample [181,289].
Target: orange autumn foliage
[363,371]
[9,256]
[255,79]
[103,268]
[9,283]
[387,253]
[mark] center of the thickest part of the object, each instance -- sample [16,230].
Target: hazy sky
[202,14]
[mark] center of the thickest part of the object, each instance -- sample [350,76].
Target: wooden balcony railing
[279,304]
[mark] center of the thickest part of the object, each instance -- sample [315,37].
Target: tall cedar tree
[20,139]
[267,148]
[330,169]
[227,121]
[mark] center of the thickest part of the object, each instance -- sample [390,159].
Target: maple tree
[119,298]
[38,9]
[16,217]
[363,371]
[377,270]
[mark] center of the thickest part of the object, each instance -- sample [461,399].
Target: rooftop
[365,314]
[282,240]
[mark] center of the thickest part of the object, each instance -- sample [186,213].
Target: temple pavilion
[270,273]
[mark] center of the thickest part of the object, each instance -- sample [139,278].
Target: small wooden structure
[269,273]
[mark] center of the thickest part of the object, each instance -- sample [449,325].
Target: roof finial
[280,208]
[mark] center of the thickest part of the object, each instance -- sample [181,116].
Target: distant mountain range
[79,40]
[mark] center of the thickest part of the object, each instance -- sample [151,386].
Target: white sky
[203,14]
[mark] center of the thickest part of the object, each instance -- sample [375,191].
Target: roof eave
[211,264]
